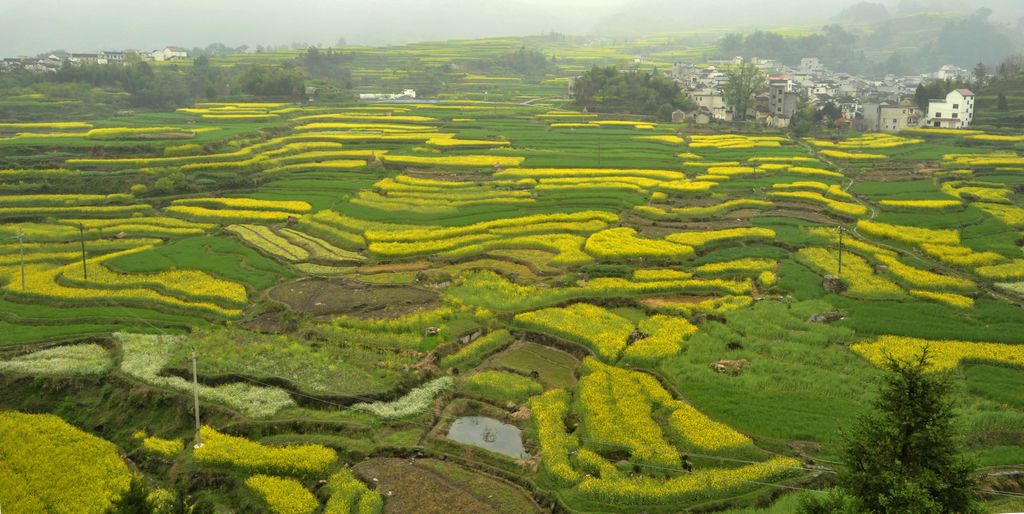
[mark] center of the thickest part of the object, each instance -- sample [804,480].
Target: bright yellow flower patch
[283,495]
[81,472]
[907,234]
[623,243]
[248,456]
[943,354]
[455,160]
[855,156]
[697,239]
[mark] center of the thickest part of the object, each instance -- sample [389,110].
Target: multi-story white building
[783,97]
[956,111]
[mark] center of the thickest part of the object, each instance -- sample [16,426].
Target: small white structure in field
[956,111]
[405,94]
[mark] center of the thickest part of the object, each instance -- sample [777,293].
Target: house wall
[956,111]
[897,118]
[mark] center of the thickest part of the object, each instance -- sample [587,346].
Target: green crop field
[638,306]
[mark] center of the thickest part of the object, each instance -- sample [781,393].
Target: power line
[430,426]
[534,448]
[85,271]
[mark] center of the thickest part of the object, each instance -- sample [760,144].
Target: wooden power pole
[840,249]
[85,271]
[21,248]
[195,397]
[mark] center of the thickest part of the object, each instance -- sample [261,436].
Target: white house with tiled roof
[956,111]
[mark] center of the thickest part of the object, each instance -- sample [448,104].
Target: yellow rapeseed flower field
[943,354]
[623,243]
[244,455]
[50,466]
[283,495]
[454,160]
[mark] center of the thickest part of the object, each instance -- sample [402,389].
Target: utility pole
[195,396]
[85,271]
[21,247]
[840,227]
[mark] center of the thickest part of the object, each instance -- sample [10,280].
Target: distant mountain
[646,16]
[863,13]
[1007,10]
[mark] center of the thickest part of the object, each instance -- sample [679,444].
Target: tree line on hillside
[834,46]
[169,86]
[160,87]
[925,45]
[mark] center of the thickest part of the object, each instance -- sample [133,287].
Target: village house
[825,88]
[84,58]
[169,53]
[713,102]
[951,72]
[110,58]
[783,99]
[175,53]
[811,65]
[894,118]
[891,117]
[955,111]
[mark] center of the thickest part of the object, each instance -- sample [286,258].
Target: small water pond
[489,434]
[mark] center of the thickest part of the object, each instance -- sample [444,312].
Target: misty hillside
[645,16]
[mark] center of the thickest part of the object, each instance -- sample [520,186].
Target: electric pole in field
[840,227]
[195,396]
[21,248]
[85,271]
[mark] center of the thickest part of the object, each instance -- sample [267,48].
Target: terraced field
[357,277]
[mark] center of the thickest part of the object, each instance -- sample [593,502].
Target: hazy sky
[32,26]
[28,27]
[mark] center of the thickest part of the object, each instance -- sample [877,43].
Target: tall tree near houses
[743,80]
[981,74]
[905,455]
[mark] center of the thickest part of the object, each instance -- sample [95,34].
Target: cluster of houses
[53,62]
[871,105]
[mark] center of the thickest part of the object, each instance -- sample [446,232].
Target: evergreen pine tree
[905,455]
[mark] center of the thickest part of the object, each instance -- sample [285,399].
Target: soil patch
[339,296]
[428,486]
[662,301]
[266,323]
